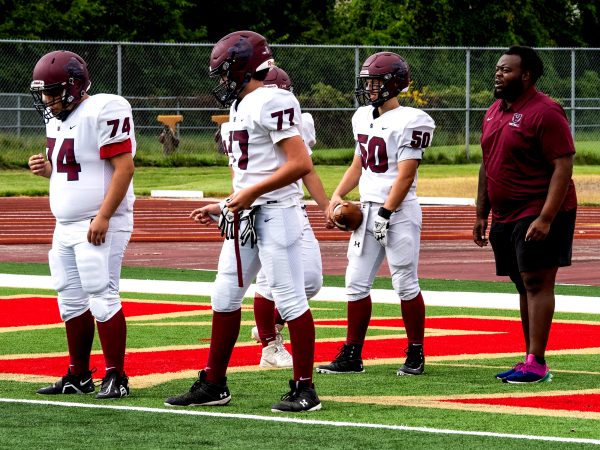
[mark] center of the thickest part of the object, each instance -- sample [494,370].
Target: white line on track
[306,421]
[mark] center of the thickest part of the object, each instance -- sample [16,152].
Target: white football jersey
[309,136]
[80,176]
[400,134]
[256,124]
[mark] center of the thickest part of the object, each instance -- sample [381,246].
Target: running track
[28,220]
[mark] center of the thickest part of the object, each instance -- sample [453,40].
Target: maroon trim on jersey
[519,143]
[117,148]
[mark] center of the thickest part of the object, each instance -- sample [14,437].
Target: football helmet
[382,76]
[234,60]
[279,78]
[63,76]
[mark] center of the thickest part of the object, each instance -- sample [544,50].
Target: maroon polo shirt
[518,145]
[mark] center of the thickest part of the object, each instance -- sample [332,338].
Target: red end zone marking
[506,340]
[18,312]
[584,402]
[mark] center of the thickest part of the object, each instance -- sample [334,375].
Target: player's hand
[39,166]
[240,200]
[207,214]
[380,229]
[538,230]
[97,231]
[479,230]
[333,202]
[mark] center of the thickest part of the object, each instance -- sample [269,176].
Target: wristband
[385,213]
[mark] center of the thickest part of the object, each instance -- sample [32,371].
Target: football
[347,216]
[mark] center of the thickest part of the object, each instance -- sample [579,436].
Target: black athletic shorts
[514,255]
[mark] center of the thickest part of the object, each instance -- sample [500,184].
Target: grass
[434,181]
[51,426]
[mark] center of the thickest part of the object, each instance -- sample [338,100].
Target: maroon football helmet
[62,75]
[385,74]
[279,78]
[234,60]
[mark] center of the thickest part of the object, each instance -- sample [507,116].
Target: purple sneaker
[517,367]
[530,372]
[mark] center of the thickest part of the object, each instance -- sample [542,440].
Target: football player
[90,145]
[390,141]
[262,220]
[268,320]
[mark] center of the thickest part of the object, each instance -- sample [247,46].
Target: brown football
[347,216]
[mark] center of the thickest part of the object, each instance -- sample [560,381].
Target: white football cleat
[276,355]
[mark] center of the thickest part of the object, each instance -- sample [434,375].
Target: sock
[359,316]
[302,338]
[541,361]
[413,316]
[278,319]
[264,318]
[224,333]
[113,336]
[80,335]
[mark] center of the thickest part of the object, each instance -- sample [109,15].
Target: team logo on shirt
[516,120]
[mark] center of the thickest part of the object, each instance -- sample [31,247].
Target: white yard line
[287,419]
[564,303]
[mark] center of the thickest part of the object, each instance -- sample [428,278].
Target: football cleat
[276,355]
[530,372]
[348,360]
[415,361]
[113,386]
[301,397]
[71,384]
[203,393]
[517,367]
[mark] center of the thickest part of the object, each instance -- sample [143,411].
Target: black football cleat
[71,384]
[301,397]
[113,386]
[348,360]
[415,361]
[203,393]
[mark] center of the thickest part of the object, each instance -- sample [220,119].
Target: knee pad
[291,310]
[92,265]
[57,271]
[407,289]
[262,286]
[70,307]
[313,282]
[103,308]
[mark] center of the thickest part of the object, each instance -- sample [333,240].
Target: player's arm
[297,165]
[483,209]
[407,170]
[348,182]
[315,188]
[122,176]
[39,166]
[557,191]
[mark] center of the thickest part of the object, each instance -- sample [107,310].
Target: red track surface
[164,236]
[28,220]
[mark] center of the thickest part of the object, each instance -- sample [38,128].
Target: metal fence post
[468,103]
[18,116]
[573,93]
[119,70]
[356,69]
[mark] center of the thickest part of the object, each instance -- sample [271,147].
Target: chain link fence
[454,85]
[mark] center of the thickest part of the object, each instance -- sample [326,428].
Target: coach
[525,180]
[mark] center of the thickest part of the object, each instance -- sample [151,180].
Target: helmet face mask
[60,80]
[234,60]
[382,77]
